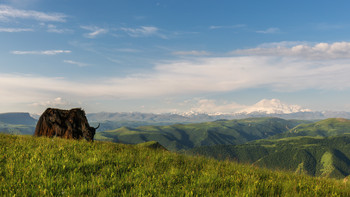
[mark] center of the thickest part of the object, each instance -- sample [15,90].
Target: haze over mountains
[24,123]
[263,108]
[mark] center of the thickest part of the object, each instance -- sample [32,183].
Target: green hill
[186,136]
[316,156]
[17,123]
[17,129]
[327,127]
[39,166]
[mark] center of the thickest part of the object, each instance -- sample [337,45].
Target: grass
[39,166]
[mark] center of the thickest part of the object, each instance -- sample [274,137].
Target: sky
[162,56]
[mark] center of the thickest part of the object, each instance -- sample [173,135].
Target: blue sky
[173,56]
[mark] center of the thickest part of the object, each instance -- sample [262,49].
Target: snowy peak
[273,106]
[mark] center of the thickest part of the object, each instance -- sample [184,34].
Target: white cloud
[47,52]
[271,30]
[194,53]
[7,13]
[143,31]
[226,26]
[57,102]
[128,50]
[200,75]
[53,29]
[13,30]
[95,31]
[286,44]
[335,50]
[213,107]
[190,77]
[80,64]
[53,102]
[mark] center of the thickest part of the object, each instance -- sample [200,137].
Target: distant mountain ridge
[22,118]
[203,117]
[111,121]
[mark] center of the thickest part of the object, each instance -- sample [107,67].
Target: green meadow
[40,166]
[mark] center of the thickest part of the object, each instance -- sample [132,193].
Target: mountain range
[17,118]
[263,108]
[318,148]
[185,136]
[169,118]
[111,121]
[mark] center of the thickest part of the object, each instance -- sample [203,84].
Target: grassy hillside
[317,156]
[327,127]
[186,136]
[33,166]
[17,129]
[17,123]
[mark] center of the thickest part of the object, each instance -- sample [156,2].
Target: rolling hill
[40,166]
[323,128]
[316,156]
[185,136]
[17,123]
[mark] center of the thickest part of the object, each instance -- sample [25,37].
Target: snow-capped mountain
[273,106]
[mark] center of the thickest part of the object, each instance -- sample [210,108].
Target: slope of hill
[317,156]
[17,129]
[323,128]
[33,166]
[185,136]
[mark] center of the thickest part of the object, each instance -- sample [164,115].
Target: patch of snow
[273,106]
